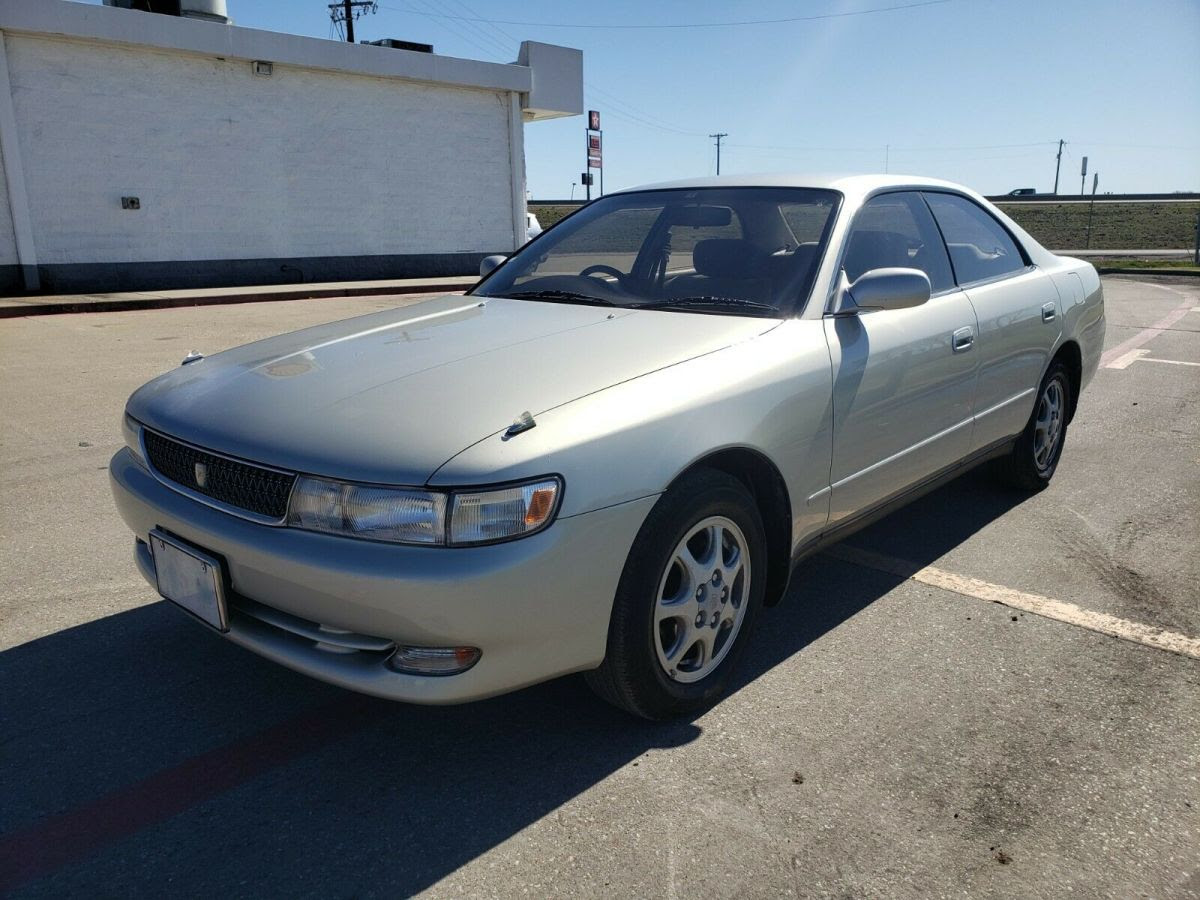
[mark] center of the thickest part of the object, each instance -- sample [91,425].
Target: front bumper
[536,607]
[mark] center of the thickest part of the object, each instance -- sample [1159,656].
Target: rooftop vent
[397,44]
[209,10]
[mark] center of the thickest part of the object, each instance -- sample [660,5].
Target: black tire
[1021,468]
[631,676]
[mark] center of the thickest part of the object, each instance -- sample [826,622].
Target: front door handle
[1049,311]
[964,339]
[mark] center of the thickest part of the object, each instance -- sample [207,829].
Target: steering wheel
[601,269]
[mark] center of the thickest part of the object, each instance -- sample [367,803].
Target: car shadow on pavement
[137,753]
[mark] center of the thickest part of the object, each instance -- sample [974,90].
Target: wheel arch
[1071,356]
[765,483]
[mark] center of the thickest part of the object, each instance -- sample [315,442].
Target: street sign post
[1091,209]
[595,155]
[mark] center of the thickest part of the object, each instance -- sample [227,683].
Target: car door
[903,379]
[1018,309]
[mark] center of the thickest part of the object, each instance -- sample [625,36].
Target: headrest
[876,250]
[725,258]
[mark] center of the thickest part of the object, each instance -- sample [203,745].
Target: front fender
[771,394]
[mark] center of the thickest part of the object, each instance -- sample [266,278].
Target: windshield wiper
[558,297]
[710,301]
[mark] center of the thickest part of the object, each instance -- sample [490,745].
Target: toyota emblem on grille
[200,470]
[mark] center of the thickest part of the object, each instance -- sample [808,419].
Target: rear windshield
[712,250]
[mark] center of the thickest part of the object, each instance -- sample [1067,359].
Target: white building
[143,150]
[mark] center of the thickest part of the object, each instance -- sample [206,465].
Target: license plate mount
[190,578]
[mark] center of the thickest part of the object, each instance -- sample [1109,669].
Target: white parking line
[1146,334]
[1126,360]
[1170,362]
[1143,355]
[1058,610]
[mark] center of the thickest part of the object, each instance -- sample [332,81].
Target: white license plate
[190,578]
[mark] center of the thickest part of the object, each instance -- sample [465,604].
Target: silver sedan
[610,454]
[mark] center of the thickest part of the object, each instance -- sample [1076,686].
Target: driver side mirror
[883,289]
[490,263]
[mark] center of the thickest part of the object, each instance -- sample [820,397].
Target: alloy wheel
[702,599]
[1047,427]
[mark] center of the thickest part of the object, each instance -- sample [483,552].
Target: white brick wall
[229,165]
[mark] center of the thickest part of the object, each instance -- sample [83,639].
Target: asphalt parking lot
[895,731]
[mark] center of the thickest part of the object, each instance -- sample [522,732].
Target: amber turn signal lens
[540,505]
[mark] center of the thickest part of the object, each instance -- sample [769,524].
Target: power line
[638,113]
[1141,146]
[497,29]
[875,149]
[614,108]
[506,48]
[729,24]
[461,33]
[613,104]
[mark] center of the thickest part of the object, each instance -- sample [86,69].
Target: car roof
[852,185]
[856,188]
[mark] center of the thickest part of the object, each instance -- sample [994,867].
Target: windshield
[741,251]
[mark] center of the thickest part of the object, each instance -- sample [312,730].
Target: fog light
[434,660]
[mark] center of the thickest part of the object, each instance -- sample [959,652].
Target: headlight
[131,430]
[406,516]
[367,511]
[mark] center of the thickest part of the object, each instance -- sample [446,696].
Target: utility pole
[349,10]
[722,134]
[1058,163]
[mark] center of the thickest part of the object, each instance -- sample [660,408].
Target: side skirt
[885,508]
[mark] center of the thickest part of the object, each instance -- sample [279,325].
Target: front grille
[242,485]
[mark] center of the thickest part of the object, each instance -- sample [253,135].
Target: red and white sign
[595,157]
[594,119]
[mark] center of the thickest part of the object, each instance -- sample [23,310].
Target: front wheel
[687,599]
[1035,455]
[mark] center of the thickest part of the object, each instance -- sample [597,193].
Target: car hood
[389,397]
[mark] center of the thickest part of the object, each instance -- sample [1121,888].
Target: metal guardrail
[1075,198]
[998,198]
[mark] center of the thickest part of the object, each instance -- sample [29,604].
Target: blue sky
[977,91]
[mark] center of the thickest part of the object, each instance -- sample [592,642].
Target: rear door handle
[1049,311]
[964,339]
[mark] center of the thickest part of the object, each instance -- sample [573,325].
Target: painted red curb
[75,834]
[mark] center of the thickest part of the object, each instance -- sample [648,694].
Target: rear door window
[980,247]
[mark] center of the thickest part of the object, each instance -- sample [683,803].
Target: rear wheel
[687,599]
[1035,456]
